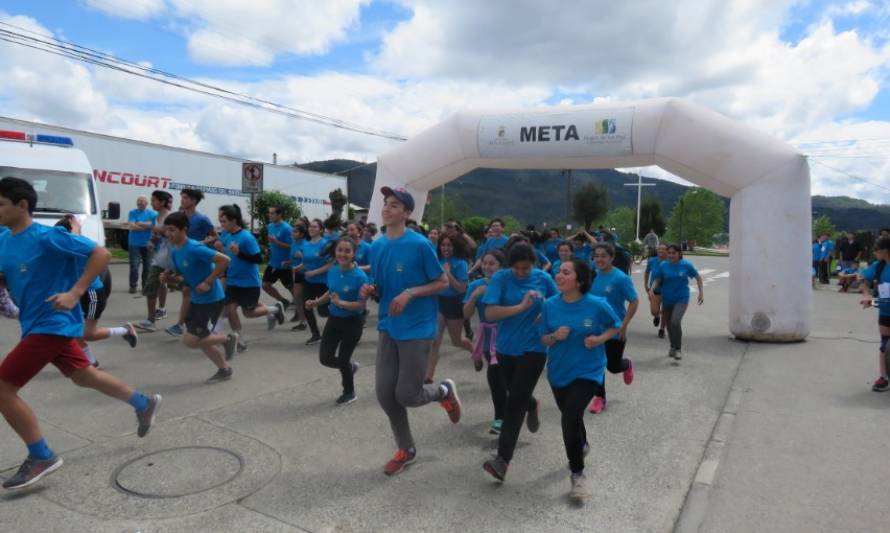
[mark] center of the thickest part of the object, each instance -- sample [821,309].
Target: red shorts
[34,352]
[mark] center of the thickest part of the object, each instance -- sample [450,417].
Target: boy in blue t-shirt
[279,268]
[876,282]
[406,277]
[40,265]
[199,267]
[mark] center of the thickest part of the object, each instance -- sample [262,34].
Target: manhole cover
[178,472]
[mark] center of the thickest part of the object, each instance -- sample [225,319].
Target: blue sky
[801,70]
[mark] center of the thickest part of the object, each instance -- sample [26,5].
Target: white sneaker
[580,491]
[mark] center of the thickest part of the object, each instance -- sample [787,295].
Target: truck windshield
[57,192]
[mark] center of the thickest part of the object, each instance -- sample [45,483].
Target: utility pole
[568,175]
[639,185]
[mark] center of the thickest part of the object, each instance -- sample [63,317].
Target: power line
[58,47]
[853,176]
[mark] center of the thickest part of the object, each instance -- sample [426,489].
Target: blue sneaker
[175,330]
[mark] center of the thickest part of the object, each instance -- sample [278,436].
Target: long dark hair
[460,247]
[233,212]
[677,248]
[330,249]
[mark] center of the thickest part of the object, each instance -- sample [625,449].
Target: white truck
[76,170]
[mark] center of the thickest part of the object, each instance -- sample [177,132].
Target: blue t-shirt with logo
[199,227]
[313,259]
[493,243]
[616,287]
[569,359]
[139,238]
[241,273]
[518,334]
[675,281]
[480,305]
[869,275]
[399,264]
[38,263]
[195,262]
[347,284]
[826,249]
[363,254]
[282,231]
[460,271]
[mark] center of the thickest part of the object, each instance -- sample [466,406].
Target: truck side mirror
[114,211]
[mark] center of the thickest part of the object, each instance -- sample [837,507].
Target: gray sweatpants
[401,367]
[673,317]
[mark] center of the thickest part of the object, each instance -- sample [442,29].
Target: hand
[235,248]
[219,246]
[203,287]
[399,303]
[273,239]
[529,299]
[447,268]
[591,342]
[64,301]
[164,277]
[562,333]
[701,298]
[622,333]
[335,297]
[479,291]
[312,304]
[368,291]
[865,302]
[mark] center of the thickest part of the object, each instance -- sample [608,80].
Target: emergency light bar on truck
[38,138]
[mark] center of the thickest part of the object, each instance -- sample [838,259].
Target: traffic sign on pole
[251,177]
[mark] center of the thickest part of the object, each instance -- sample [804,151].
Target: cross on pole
[639,185]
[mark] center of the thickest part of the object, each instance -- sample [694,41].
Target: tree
[823,226]
[267,199]
[338,202]
[624,220]
[475,227]
[698,215]
[651,217]
[590,203]
[432,215]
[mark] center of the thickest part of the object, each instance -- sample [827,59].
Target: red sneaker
[881,384]
[399,461]
[629,373]
[451,403]
[597,405]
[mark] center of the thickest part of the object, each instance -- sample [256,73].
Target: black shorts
[316,290]
[884,321]
[284,275]
[92,303]
[451,307]
[247,298]
[202,318]
[299,276]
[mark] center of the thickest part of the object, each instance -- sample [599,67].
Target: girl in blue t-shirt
[344,326]
[486,337]
[574,326]
[299,234]
[514,299]
[876,283]
[673,279]
[652,265]
[315,265]
[453,256]
[565,252]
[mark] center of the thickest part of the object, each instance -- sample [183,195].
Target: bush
[267,199]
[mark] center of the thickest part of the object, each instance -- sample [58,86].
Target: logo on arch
[607,126]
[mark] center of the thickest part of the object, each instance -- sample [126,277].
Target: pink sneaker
[629,373]
[597,405]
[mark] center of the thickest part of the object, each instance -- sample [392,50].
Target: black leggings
[498,387]
[344,332]
[572,399]
[615,361]
[310,292]
[520,375]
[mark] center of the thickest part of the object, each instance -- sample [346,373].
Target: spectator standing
[140,222]
[651,243]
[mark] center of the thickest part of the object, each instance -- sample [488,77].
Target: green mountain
[536,196]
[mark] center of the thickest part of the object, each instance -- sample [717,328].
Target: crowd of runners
[538,301]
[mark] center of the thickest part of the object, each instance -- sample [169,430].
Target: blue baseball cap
[401,194]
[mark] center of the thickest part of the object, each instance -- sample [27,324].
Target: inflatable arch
[767,180]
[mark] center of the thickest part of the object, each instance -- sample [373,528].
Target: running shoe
[629,373]
[223,374]
[299,327]
[451,402]
[242,346]
[399,461]
[146,418]
[132,290]
[661,334]
[881,385]
[671,352]
[130,336]
[533,418]
[497,467]
[276,318]
[160,314]
[597,405]
[146,325]
[32,471]
[496,425]
[355,367]
[579,491]
[175,330]
[655,321]
[346,397]
[231,344]
[315,339]
[678,355]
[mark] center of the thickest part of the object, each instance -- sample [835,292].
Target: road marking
[706,271]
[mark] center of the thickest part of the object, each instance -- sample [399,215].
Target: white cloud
[130,9]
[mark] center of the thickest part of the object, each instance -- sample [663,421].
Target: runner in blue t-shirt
[618,289]
[514,298]
[565,253]
[485,345]
[46,271]
[343,329]
[496,241]
[453,256]
[574,325]
[550,247]
[876,283]
[406,276]
[279,269]
[199,267]
[673,279]
[652,265]
[299,235]
[243,274]
[315,265]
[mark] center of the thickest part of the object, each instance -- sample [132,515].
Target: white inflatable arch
[767,180]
